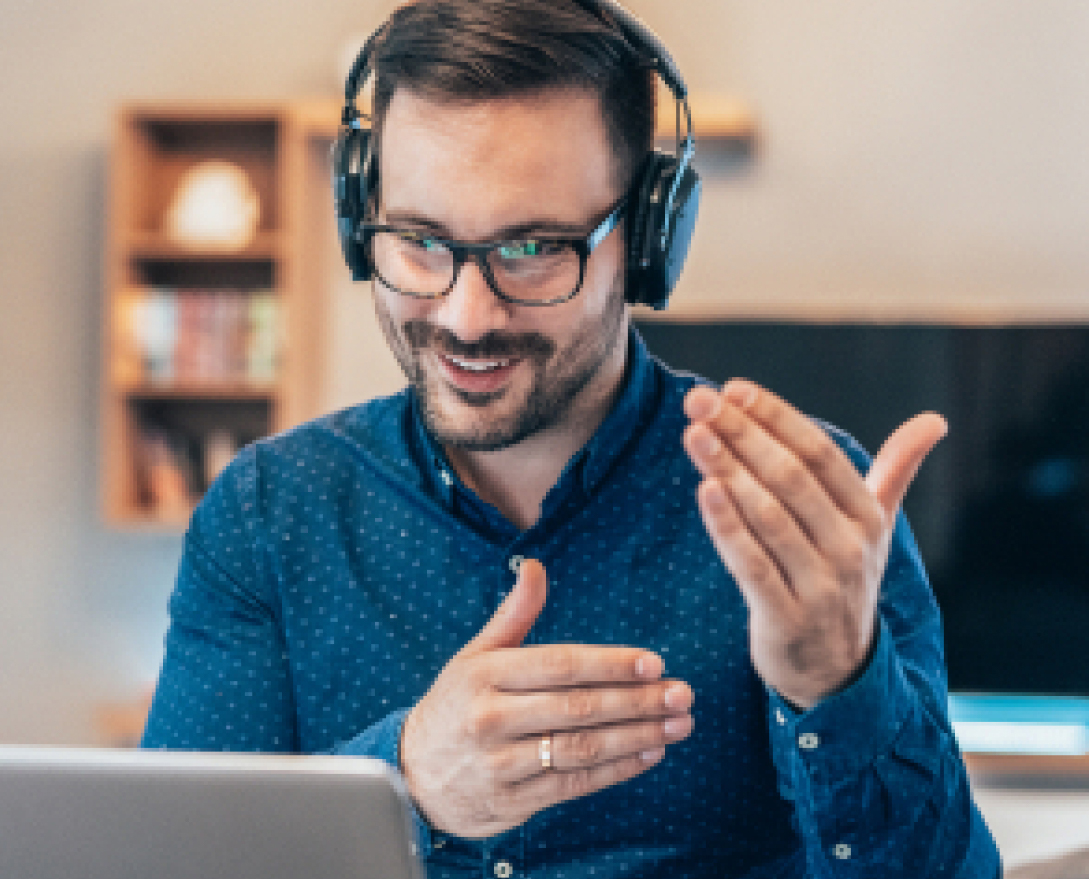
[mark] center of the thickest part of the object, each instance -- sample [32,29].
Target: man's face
[489,373]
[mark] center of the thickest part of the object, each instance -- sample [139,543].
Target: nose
[471,309]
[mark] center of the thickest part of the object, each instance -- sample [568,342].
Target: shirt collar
[635,401]
[590,465]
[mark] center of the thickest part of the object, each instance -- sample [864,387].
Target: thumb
[514,618]
[900,457]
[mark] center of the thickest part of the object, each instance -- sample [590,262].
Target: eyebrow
[516,230]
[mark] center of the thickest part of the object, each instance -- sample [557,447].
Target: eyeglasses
[524,271]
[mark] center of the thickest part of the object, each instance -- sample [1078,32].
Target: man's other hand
[471,750]
[803,533]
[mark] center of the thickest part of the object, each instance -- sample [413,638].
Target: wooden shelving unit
[165,421]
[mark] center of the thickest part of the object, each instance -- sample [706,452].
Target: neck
[516,479]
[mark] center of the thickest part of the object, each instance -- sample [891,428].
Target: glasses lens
[530,270]
[412,263]
[535,269]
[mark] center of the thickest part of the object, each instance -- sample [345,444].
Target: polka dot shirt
[333,570]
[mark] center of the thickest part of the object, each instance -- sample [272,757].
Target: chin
[474,429]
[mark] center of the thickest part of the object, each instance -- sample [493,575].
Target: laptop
[70,813]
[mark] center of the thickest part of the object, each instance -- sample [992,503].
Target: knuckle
[486,814]
[821,453]
[584,748]
[622,770]
[653,699]
[558,664]
[731,424]
[573,784]
[771,518]
[500,764]
[793,477]
[725,523]
[482,722]
[875,525]
[854,561]
[476,674]
[825,608]
[760,571]
[580,704]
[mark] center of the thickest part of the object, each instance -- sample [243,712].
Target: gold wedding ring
[544,751]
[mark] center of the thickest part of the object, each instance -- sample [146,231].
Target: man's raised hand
[804,534]
[470,749]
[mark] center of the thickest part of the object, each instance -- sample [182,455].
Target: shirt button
[842,851]
[809,741]
[516,562]
[779,717]
[503,870]
[446,478]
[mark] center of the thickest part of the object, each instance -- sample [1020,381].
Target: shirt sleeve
[874,772]
[226,683]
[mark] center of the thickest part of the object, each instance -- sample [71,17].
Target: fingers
[583,762]
[786,451]
[548,788]
[775,524]
[758,576]
[512,715]
[586,748]
[753,420]
[568,665]
[514,618]
[896,464]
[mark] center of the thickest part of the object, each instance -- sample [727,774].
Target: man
[606,620]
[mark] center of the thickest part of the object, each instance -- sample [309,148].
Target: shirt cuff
[849,729]
[382,741]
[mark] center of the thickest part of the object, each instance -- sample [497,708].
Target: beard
[484,424]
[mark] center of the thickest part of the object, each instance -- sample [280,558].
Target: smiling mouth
[477,365]
[477,375]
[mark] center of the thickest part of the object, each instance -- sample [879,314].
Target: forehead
[482,165]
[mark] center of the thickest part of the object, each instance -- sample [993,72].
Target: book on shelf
[174,468]
[167,335]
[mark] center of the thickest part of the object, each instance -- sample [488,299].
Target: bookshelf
[208,345]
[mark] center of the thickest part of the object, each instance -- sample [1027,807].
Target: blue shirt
[333,570]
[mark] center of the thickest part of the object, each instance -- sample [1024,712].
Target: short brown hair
[476,50]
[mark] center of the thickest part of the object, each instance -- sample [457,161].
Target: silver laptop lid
[106,814]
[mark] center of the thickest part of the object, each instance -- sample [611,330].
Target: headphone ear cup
[640,226]
[662,224]
[354,177]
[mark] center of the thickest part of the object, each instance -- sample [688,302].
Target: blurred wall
[82,608]
[917,159]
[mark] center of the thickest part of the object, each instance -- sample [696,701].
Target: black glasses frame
[463,251]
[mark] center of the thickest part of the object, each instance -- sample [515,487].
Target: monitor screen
[1001,507]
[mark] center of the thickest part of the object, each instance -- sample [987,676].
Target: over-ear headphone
[665,195]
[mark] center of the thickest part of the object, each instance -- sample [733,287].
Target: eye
[532,247]
[422,242]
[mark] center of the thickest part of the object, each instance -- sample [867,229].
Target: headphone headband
[641,38]
[660,223]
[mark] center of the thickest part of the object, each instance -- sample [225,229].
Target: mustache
[420,334]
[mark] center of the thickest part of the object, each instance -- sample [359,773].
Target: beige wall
[920,159]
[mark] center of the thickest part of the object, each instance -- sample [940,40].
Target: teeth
[479,365]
